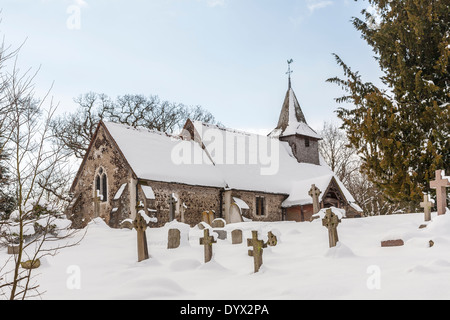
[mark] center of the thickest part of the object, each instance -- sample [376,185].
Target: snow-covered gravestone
[426,205]
[257,251]
[440,184]
[141,225]
[207,241]
[331,221]
[314,192]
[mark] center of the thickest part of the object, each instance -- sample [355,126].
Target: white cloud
[318,4]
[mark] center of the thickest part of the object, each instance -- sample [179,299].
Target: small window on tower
[307,142]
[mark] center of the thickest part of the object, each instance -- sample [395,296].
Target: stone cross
[257,251]
[331,221]
[172,202]
[441,191]
[426,205]
[140,225]
[207,241]
[314,192]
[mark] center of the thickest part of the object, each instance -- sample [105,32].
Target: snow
[148,192]
[120,191]
[300,128]
[443,176]
[300,267]
[240,203]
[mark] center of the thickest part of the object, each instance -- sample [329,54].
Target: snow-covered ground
[301,266]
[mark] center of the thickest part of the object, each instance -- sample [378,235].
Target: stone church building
[206,172]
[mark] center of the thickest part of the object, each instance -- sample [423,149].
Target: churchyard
[300,266]
[402,256]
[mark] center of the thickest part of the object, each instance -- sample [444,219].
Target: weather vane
[289,70]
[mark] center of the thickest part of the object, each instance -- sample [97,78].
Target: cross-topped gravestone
[207,241]
[331,221]
[257,251]
[441,191]
[172,203]
[426,205]
[314,192]
[141,225]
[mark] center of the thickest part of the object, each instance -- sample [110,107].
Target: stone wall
[273,210]
[301,152]
[102,153]
[196,198]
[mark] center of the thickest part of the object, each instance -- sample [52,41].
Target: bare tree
[337,153]
[75,130]
[33,162]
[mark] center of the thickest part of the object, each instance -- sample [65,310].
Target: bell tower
[293,128]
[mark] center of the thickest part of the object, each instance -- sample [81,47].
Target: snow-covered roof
[149,154]
[299,194]
[245,161]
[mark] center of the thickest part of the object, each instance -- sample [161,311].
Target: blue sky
[228,56]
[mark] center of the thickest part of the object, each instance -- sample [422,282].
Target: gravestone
[207,241]
[392,243]
[314,192]
[426,205]
[222,234]
[13,249]
[31,264]
[218,223]
[126,224]
[141,225]
[236,236]
[174,238]
[441,191]
[331,221]
[272,239]
[257,251]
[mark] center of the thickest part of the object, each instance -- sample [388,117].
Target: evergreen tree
[402,131]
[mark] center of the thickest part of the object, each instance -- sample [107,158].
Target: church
[206,172]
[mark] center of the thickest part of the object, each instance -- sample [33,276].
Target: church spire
[292,120]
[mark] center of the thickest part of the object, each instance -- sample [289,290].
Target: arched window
[101,184]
